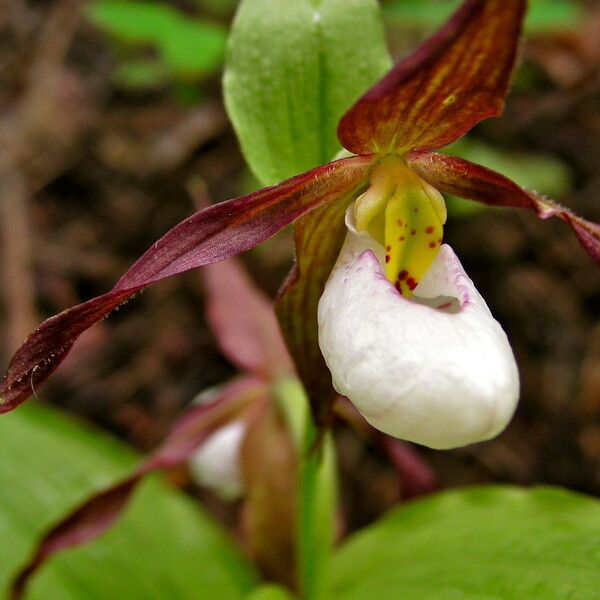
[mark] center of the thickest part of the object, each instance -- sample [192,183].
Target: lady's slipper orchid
[454,80]
[435,369]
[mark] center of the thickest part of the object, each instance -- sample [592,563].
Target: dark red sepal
[212,234]
[455,79]
[459,177]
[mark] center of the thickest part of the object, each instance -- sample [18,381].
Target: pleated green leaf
[293,68]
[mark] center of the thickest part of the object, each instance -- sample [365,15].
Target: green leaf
[553,15]
[137,74]
[487,543]
[164,547]
[270,592]
[293,68]
[188,47]
[427,15]
[141,22]
[193,48]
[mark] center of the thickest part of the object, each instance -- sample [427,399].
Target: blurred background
[112,130]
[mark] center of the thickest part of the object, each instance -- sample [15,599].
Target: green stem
[316,494]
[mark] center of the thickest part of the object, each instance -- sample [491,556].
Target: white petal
[216,464]
[443,377]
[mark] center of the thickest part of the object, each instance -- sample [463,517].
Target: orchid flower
[405,334]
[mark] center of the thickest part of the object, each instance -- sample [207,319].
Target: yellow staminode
[406,215]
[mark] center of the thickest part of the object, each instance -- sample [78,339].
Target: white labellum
[436,369]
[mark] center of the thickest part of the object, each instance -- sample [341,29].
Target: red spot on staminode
[429,229]
[432,244]
[399,221]
[411,283]
[402,275]
[388,248]
[401,238]
[387,258]
[397,286]
[415,210]
[413,232]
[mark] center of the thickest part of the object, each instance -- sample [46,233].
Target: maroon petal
[319,237]
[455,79]
[101,510]
[243,321]
[465,179]
[210,235]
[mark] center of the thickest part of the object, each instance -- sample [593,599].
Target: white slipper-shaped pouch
[435,369]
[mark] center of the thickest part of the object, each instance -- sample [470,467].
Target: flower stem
[317,491]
